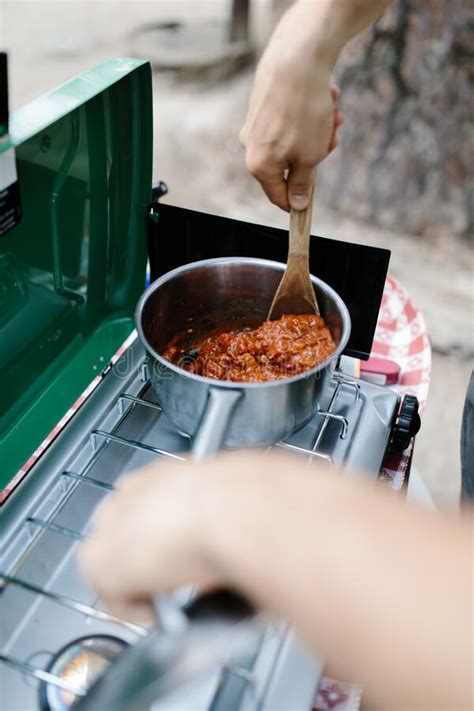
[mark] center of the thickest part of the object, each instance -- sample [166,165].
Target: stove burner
[80,663]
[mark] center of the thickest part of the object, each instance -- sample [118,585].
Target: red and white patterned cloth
[400,336]
[336,695]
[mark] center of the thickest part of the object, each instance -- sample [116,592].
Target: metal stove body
[45,603]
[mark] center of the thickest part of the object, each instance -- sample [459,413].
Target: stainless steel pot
[220,413]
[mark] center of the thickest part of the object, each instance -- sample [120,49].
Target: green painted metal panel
[72,270]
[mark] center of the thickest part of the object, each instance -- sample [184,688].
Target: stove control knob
[407,425]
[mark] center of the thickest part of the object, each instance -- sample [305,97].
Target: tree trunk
[407,154]
[239,21]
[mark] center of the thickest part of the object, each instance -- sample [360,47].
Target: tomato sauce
[276,349]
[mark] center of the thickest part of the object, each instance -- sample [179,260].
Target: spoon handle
[295,293]
[300,228]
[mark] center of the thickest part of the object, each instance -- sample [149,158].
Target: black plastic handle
[223,604]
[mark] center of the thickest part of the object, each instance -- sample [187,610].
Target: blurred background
[403,177]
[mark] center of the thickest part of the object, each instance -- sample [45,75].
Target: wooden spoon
[295,294]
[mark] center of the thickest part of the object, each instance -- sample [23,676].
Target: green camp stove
[76,408]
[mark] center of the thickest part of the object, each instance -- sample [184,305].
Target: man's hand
[148,537]
[292,121]
[338,557]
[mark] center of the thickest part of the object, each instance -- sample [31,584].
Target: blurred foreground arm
[292,121]
[381,588]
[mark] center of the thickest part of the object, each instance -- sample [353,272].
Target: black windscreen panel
[178,236]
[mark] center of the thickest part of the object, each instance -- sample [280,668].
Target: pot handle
[221,603]
[214,423]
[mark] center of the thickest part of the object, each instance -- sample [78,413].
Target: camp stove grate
[132,430]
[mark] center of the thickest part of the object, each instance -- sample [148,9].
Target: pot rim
[230,384]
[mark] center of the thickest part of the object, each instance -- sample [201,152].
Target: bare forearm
[382,589]
[324,27]
[332,23]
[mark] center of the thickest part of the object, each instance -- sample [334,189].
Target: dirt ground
[197,153]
